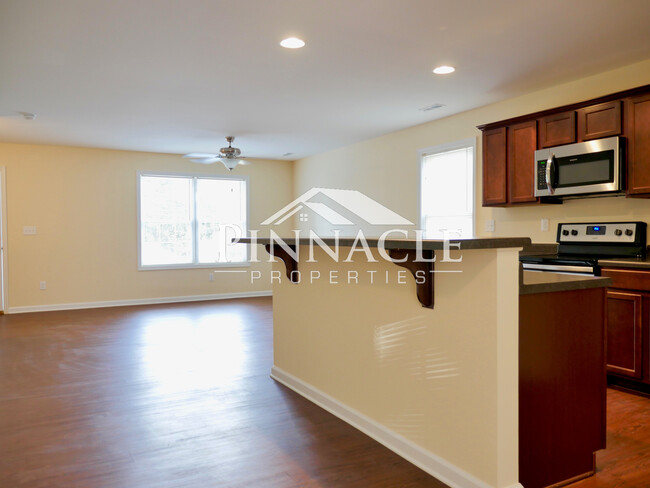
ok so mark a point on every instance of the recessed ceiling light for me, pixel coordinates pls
(444, 70)
(292, 43)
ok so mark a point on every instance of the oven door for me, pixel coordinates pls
(584, 168)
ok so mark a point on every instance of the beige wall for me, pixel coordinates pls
(83, 203)
(387, 168)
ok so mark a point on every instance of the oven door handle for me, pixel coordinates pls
(550, 173)
(559, 268)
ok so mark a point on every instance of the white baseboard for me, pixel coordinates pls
(436, 466)
(137, 301)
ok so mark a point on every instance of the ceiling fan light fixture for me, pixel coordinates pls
(228, 156)
(292, 43)
(230, 163)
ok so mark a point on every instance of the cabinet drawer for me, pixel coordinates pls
(628, 279)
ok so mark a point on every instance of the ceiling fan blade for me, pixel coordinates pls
(199, 155)
(205, 160)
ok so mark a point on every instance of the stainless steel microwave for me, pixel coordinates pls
(586, 168)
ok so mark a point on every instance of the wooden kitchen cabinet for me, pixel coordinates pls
(494, 167)
(508, 171)
(628, 314)
(598, 121)
(562, 385)
(624, 333)
(557, 129)
(638, 145)
(522, 142)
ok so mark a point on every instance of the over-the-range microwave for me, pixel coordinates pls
(585, 169)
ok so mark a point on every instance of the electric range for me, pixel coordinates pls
(581, 245)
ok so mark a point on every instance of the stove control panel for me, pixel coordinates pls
(602, 233)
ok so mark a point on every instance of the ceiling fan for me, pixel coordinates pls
(229, 156)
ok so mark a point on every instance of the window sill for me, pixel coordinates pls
(153, 267)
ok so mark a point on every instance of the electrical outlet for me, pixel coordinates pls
(211, 277)
(29, 230)
(43, 285)
(544, 225)
(489, 225)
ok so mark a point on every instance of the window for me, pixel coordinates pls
(447, 190)
(186, 221)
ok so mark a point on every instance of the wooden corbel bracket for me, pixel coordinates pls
(423, 279)
(290, 264)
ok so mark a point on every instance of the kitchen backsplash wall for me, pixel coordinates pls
(527, 221)
(387, 168)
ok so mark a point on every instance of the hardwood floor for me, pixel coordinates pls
(180, 396)
(626, 461)
(169, 396)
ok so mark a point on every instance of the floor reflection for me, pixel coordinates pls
(180, 354)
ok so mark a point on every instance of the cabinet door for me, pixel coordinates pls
(624, 333)
(638, 140)
(494, 167)
(522, 142)
(558, 129)
(597, 121)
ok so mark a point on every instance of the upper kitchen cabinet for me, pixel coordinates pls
(598, 121)
(508, 154)
(522, 142)
(494, 167)
(557, 129)
(509, 145)
(637, 131)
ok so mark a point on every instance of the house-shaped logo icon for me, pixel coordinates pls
(351, 202)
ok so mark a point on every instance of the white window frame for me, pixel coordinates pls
(441, 148)
(241, 264)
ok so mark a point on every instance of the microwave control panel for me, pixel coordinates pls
(541, 175)
(602, 233)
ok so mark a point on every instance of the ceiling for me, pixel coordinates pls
(178, 76)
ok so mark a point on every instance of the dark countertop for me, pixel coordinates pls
(536, 249)
(427, 244)
(544, 282)
(625, 263)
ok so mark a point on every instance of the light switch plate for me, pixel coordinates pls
(29, 230)
(489, 225)
(544, 225)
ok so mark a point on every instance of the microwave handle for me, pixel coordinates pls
(550, 173)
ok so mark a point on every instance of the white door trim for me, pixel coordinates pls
(3, 240)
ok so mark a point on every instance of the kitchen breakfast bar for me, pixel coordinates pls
(446, 353)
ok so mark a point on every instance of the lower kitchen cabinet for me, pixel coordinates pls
(562, 385)
(628, 319)
(624, 333)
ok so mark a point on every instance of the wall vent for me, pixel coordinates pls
(432, 107)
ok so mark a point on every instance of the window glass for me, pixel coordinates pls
(447, 192)
(190, 220)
